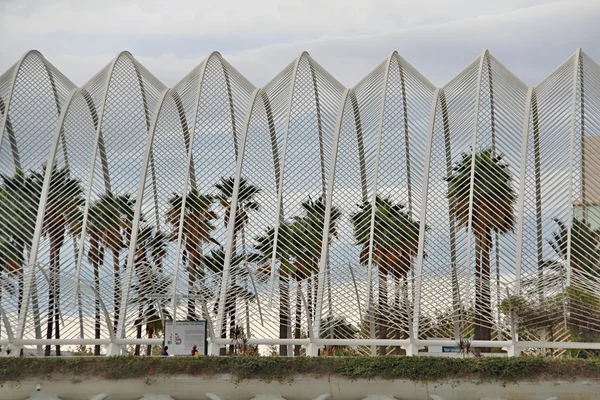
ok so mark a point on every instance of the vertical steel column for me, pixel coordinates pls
(521, 200)
(571, 167)
(328, 205)
(137, 215)
(423, 217)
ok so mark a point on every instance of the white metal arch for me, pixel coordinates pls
(279, 207)
(189, 169)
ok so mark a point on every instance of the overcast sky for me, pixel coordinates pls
(260, 37)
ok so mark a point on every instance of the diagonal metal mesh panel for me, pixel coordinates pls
(392, 215)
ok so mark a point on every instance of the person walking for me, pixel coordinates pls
(195, 351)
(164, 351)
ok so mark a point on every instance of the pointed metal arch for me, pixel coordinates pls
(521, 200)
(29, 278)
(188, 171)
(279, 207)
(386, 76)
(5, 106)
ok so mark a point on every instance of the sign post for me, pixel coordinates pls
(184, 336)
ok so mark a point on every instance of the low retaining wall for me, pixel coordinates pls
(345, 378)
(302, 388)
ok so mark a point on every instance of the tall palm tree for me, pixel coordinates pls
(198, 224)
(493, 201)
(395, 245)
(308, 236)
(246, 201)
(62, 217)
(110, 221)
(150, 253)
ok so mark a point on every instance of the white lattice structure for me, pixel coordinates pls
(375, 219)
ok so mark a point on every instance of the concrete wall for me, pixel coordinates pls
(192, 388)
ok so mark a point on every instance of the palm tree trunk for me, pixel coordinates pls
(150, 335)
(57, 307)
(138, 333)
(97, 307)
(192, 263)
(245, 266)
(284, 315)
(309, 295)
(397, 313)
(117, 289)
(51, 290)
(298, 316)
(232, 303)
(382, 306)
(483, 307)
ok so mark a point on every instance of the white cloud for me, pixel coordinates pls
(440, 38)
(268, 17)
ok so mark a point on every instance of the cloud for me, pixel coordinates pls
(439, 40)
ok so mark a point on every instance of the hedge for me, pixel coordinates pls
(418, 369)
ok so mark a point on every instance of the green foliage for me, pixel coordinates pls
(395, 234)
(584, 242)
(576, 306)
(493, 192)
(418, 369)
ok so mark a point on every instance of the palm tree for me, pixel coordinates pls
(19, 202)
(262, 253)
(150, 253)
(109, 226)
(492, 207)
(245, 202)
(395, 245)
(215, 263)
(197, 227)
(308, 236)
(62, 217)
(585, 256)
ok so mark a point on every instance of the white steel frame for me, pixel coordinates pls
(332, 108)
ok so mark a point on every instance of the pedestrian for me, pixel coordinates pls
(164, 351)
(195, 351)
